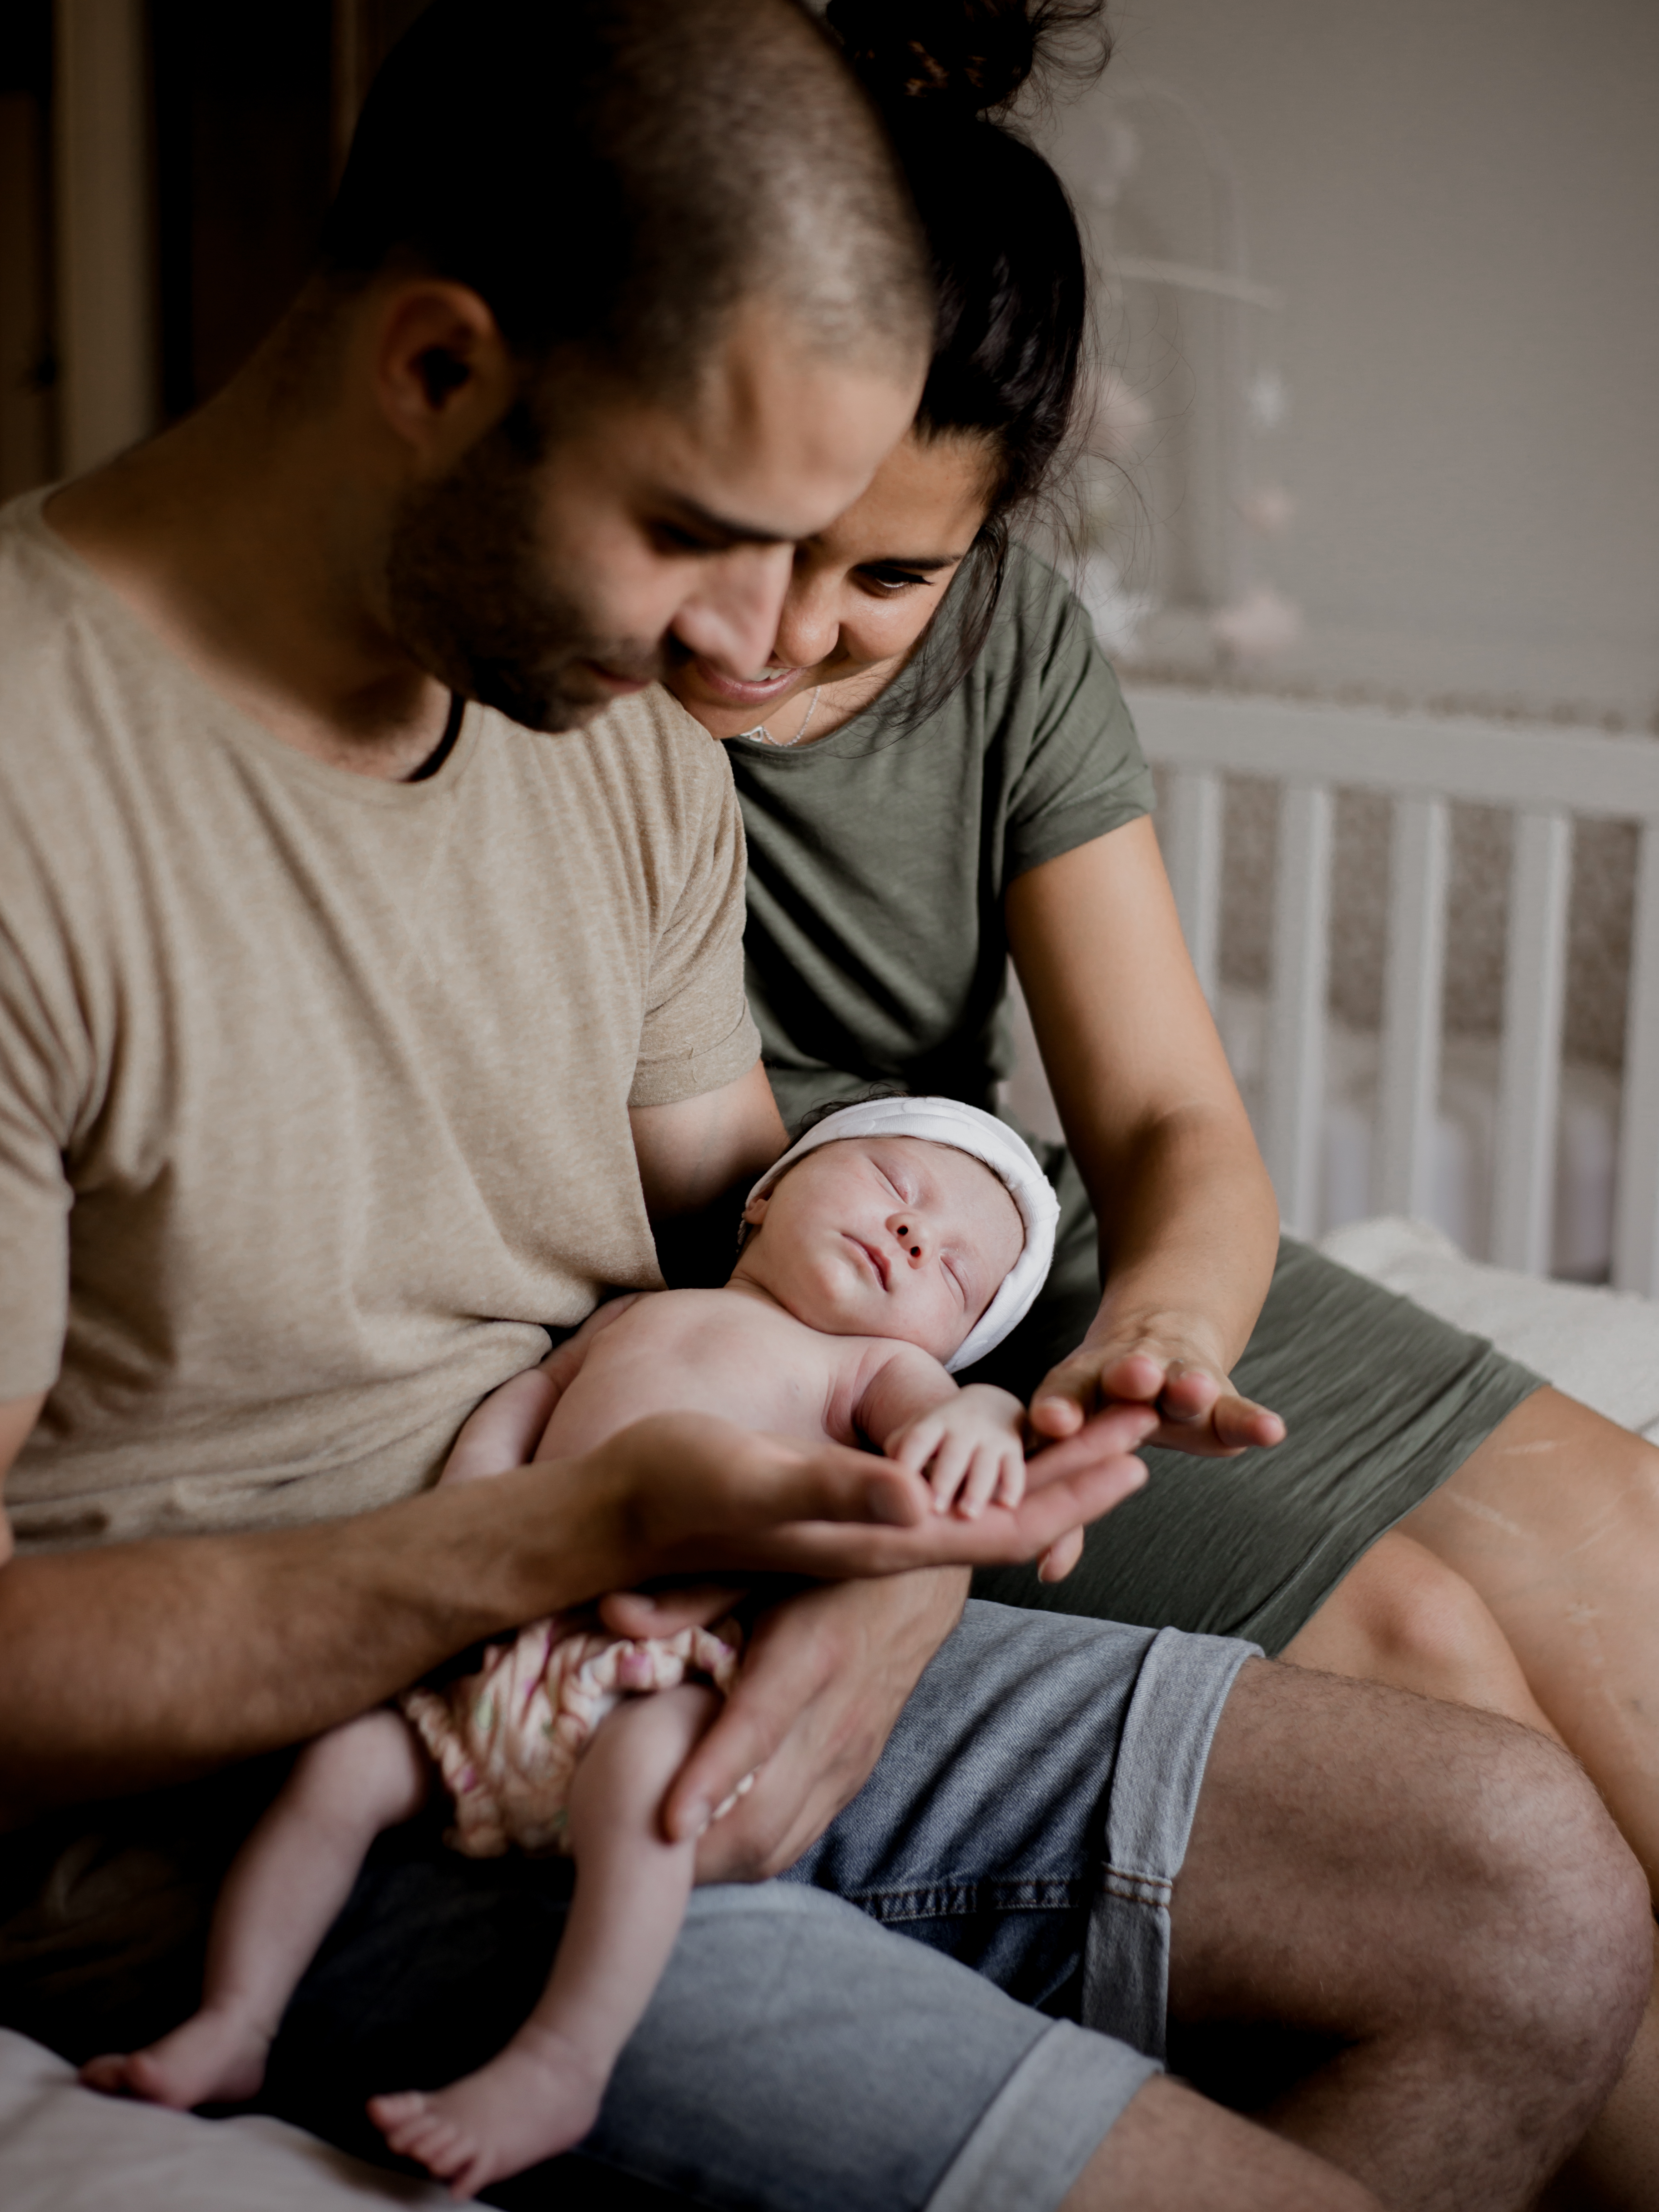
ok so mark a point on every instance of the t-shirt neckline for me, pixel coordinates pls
(234, 722)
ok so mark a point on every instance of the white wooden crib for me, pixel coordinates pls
(1422, 764)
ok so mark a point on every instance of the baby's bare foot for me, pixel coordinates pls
(215, 2058)
(539, 2096)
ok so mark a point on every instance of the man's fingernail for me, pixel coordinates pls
(741, 1791)
(695, 1819)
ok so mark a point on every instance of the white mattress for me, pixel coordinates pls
(64, 2148)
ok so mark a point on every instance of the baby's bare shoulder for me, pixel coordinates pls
(715, 1328)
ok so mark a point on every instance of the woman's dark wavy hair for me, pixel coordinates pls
(1008, 262)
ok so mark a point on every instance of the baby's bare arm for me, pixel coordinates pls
(508, 1428)
(969, 1442)
(907, 1383)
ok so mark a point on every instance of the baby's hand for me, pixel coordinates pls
(970, 1448)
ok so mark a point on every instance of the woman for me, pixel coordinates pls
(937, 772)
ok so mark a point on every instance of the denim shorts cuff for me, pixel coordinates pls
(1043, 2125)
(1183, 1683)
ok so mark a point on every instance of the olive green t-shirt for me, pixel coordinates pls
(879, 855)
(315, 1089)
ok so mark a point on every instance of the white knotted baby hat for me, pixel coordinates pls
(1009, 1158)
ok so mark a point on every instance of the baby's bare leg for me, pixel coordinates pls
(280, 1898)
(542, 2093)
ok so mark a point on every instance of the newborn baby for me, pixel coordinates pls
(899, 1239)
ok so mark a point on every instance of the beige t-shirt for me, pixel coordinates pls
(313, 1088)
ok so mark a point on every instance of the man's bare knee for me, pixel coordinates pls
(1171, 2150)
(1364, 1865)
(1560, 1960)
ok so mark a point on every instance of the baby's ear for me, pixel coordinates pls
(754, 1212)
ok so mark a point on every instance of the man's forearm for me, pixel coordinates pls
(142, 1664)
(146, 1664)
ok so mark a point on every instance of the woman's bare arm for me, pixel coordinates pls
(1188, 1223)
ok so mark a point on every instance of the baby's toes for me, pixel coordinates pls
(471, 2179)
(400, 2117)
(448, 2151)
(111, 2075)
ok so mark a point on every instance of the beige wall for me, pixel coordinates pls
(1459, 201)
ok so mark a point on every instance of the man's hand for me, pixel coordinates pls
(824, 1677)
(1168, 1366)
(689, 1493)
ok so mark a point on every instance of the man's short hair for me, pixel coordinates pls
(614, 176)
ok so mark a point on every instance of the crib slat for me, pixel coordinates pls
(1192, 846)
(1409, 1079)
(1529, 1071)
(1636, 1221)
(1294, 1091)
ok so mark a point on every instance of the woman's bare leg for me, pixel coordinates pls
(280, 1898)
(542, 2093)
(1555, 1523)
(1402, 1617)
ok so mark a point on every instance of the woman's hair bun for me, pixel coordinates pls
(972, 55)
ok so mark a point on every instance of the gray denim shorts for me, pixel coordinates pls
(945, 2004)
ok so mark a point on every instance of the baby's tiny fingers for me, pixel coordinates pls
(917, 1445)
(982, 1472)
(950, 1470)
(1010, 1478)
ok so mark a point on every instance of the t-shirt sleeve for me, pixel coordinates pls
(698, 1034)
(1084, 772)
(35, 1191)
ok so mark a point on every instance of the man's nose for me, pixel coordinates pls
(731, 620)
(808, 628)
(912, 1235)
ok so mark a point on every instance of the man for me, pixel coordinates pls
(350, 1033)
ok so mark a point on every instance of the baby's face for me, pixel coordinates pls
(884, 1237)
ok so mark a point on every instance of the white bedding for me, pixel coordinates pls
(63, 2150)
(1599, 1345)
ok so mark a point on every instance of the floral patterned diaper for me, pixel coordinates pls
(506, 1739)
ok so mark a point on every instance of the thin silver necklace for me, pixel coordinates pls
(761, 730)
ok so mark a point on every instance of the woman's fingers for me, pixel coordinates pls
(1240, 1422)
(1091, 1378)
(1197, 1411)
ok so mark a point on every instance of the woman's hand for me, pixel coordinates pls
(1166, 1366)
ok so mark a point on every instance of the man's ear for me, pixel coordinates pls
(443, 373)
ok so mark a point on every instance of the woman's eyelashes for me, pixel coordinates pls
(889, 582)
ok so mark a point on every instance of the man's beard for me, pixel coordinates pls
(473, 601)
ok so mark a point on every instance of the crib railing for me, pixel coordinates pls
(1544, 777)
